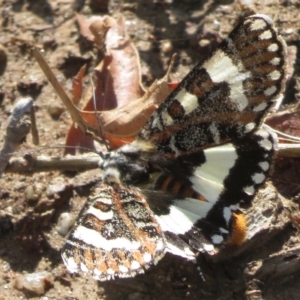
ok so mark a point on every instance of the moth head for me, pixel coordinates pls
(124, 166)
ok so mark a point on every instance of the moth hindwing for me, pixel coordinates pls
(202, 155)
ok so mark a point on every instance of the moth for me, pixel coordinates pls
(202, 155)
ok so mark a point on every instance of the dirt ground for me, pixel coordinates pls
(29, 241)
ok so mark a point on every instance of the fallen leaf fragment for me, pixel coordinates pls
(287, 121)
(122, 104)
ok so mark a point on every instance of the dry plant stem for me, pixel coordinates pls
(30, 164)
(289, 150)
(58, 89)
(17, 128)
(34, 130)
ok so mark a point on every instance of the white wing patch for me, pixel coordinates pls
(208, 178)
(222, 69)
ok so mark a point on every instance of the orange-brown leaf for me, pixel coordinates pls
(123, 107)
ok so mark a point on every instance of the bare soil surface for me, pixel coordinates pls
(29, 241)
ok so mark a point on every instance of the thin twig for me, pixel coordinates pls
(72, 109)
(58, 88)
(30, 164)
(289, 150)
(34, 130)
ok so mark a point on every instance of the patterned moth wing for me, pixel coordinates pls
(227, 96)
(223, 179)
(202, 155)
(116, 235)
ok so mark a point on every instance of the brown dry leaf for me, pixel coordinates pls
(84, 26)
(126, 122)
(123, 105)
(77, 85)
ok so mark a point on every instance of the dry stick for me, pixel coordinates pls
(34, 130)
(289, 150)
(31, 164)
(72, 109)
(17, 128)
(59, 89)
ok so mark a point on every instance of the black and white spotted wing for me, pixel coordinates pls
(227, 96)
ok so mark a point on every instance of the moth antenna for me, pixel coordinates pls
(54, 147)
(283, 135)
(97, 116)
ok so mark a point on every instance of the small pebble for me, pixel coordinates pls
(55, 110)
(34, 192)
(57, 185)
(64, 224)
(204, 43)
(34, 282)
(166, 46)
